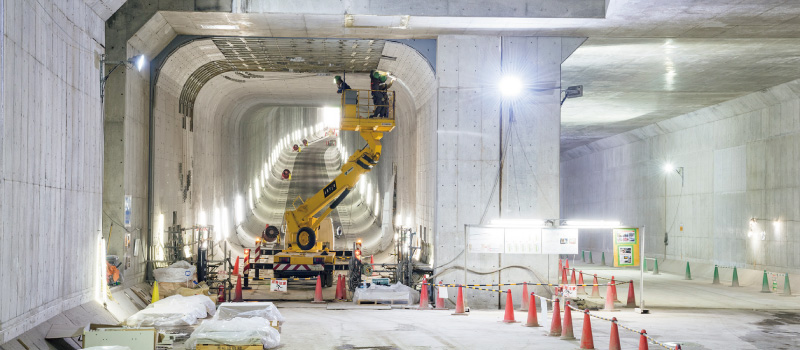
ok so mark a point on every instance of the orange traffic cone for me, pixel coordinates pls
(566, 264)
(339, 285)
(581, 288)
(533, 319)
(509, 316)
(609, 298)
(439, 301)
(423, 297)
(643, 340)
(572, 280)
(318, 292)
(587, 341)
(460, 303)
(564, 276)
(631, 296)
(614, 289)
(525, 302)
(236, 266)
(613, 343)
(237, 296)
(555, 326)
(372, 265)
(595, 288)
(560, 266)
(567, 333)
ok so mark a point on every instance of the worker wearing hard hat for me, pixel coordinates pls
(341, 84)
(379, 82)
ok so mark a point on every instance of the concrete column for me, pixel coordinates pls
(474, 124)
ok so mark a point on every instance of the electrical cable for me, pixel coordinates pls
(499, 172)
(677, 207)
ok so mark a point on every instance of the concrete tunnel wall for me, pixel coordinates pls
(51, 163)
(739, 160)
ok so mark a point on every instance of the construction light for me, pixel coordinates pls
(668, 167)
(140, 60)
(202, 220)
(510, 86)
(239, 207)
(331, 115)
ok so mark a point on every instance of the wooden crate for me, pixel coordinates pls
(228, 347)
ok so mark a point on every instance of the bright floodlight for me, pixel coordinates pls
(668, 167)
(331, 116)
(510, 86)
(140, 63)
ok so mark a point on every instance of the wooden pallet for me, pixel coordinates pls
(382, 302)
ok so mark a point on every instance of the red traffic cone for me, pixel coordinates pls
(509, 316)
(525, 301)
(566, 329)
(423, 297)
(533, 319)
(678, 347)
(372, 265)
(614, 289)
(595, 288)
(631, 296)
(572, 280)
(439, 301)
(581, 288)
(564, 276)
(566, 264)
(555, 326)
(340, 288)
(643, 340)
(587, 340)
(609, 298)
(236, 266)
(460, 303)
(613, 343)
(318, 292)
(237, 295)
(560, 266)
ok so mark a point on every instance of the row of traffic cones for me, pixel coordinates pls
(787, 288)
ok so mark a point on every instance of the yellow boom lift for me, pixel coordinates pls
(308, 249)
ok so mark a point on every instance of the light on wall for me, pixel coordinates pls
(239, 207)
(668, 168)
(510, 86)
(518, 222)
(592, 223)
(202, 220)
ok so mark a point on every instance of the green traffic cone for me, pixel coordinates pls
(655, 269)
(603, 259)
(765, 283)
(688, 272)
(590, 257)
(716, 275)
(735, 281)
(644, 264)
(787, 289)
(583, 255)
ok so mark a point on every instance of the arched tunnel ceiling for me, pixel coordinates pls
(718, 49)
(242, 56)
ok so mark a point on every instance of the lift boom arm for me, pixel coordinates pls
(301, 225)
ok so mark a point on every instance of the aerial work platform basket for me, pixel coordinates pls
(360, 112)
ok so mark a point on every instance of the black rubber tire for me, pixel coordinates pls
(271, 234)
(312, 238)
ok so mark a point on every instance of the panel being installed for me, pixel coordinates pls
(295, 55)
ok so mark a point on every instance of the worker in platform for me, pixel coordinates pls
(379, 82)
(286, 174)
(340, 84)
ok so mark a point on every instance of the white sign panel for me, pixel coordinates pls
(485, 239)
(569, 291)
(279, 285)
(443, 292)
(560, 241)
(523, 241)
